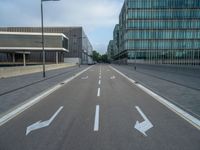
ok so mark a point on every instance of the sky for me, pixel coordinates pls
(97, 17)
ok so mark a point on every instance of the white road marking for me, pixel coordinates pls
(12, 114)
(99, 82)
(192, 120)
(144, 126)
(113, 77)
(98, 92)
(39, 124)
(183, 114)
(96, 120)
(99, 77)
(84, 78)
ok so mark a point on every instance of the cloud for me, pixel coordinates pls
(91, 14)
(101, 47)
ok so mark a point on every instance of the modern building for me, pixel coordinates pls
(80, 48)
(26, 47)
(110, 51)
(159, 32)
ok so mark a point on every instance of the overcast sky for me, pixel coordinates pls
(98, 17)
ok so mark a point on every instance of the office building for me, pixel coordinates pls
(80, 48)
(110, 50)
(26, 47)
(159, 32)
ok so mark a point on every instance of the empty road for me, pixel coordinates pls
(99, 110)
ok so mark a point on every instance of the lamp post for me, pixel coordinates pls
(42, 24)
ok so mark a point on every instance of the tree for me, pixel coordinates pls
(99, 58)
(96, 56)
(104, 58)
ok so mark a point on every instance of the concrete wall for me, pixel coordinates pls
(72, 60)
(6, 72)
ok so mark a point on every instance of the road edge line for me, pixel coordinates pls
(183, 114)
(32, 101)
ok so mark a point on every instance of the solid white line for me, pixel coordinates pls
(96, 120)
(98, 93)
(99, 82)
(183, 114)
(192, 120)
(131, 80)
(21, 108)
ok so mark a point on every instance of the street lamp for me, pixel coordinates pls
(43, 51)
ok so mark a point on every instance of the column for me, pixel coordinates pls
(56, 57)
(24, 58)
(13, 57)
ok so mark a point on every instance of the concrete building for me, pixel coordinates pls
(26, 47)
(80, 48)
(159, 32)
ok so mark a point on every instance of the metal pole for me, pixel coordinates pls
(24, 59)
(135, 61)
(43, 51)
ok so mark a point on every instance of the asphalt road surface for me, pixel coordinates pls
(98, 110)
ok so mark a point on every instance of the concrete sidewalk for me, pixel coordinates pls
(6, 72)
(180, 85)
(16, 90)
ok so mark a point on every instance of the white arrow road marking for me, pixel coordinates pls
(39, 124)
(113, 77)
(144, 126)
(96, 120)
(84, 78)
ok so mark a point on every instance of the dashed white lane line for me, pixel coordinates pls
(99, 77)
(112, 78)
(84, 78)
(96, 120)
(99, 82)
(98, 92)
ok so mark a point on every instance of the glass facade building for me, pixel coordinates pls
(159, 32)
(110, 50)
